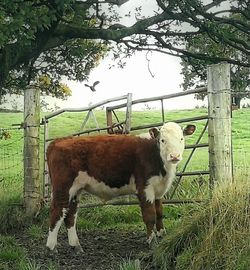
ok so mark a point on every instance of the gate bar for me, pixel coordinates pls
(197, 118)
(188, 160)
(175, 201)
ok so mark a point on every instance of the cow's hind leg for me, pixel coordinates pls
(57, 215)
(70, 222)
(159, 218)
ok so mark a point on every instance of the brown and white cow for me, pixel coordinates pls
(109, 166)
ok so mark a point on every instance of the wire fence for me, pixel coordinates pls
(241, 143)
(241, 158)
(11, 157)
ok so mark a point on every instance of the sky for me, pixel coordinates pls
(135, 78)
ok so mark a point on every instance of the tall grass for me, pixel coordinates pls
(215, 236)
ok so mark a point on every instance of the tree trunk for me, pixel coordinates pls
(32, 187)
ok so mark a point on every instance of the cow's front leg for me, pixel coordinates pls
(159, 218)
(149, 216)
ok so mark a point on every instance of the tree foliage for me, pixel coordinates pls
(194, 70)
(26, 26)
(60, 38)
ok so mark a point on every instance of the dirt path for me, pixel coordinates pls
(103, 250)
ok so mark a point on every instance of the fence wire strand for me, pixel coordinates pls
(11, 155)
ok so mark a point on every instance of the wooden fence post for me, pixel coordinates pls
(32, 186)
(127, 126)
(46, 178)
(219, 125)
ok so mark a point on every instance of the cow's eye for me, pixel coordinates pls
(162, 140)
(181, 139)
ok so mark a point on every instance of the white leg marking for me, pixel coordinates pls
(72, 235)
(73, 238)
(161, 232)
(52, 238)
(151, 238)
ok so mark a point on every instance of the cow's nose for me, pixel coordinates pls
(175, 157)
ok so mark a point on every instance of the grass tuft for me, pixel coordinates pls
(29, 265)
(35, 231)
(130, 265)
(216, 236)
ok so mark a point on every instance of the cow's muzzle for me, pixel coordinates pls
(174, 158)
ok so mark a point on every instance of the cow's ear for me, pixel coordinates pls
(189, 130)
(154, 132)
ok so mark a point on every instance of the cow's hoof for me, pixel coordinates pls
(77, 249)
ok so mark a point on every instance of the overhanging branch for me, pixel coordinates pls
(174, 51)
(164, 27)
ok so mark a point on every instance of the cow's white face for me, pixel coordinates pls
(171, 141)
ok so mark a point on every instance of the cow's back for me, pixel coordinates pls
(110, 159)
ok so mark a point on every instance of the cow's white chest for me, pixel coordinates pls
(85, 182)
(158, 185)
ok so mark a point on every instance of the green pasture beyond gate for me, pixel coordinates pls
(11, 172)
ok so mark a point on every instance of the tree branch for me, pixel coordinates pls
(113, 2)
(175, 13)
(174, 51)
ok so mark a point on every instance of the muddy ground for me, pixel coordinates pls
(103, 250)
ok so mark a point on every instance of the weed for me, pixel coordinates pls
(35, 231)
(130, 265)
(29, 265)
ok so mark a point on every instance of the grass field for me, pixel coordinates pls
(69, 123)
(11, 180)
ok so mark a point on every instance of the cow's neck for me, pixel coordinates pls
(170, 173)
(170, 169)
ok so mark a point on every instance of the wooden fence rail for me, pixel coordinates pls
(163, 97)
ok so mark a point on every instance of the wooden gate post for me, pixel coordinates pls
(127, 126)
(32, 187)
(219, 125)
